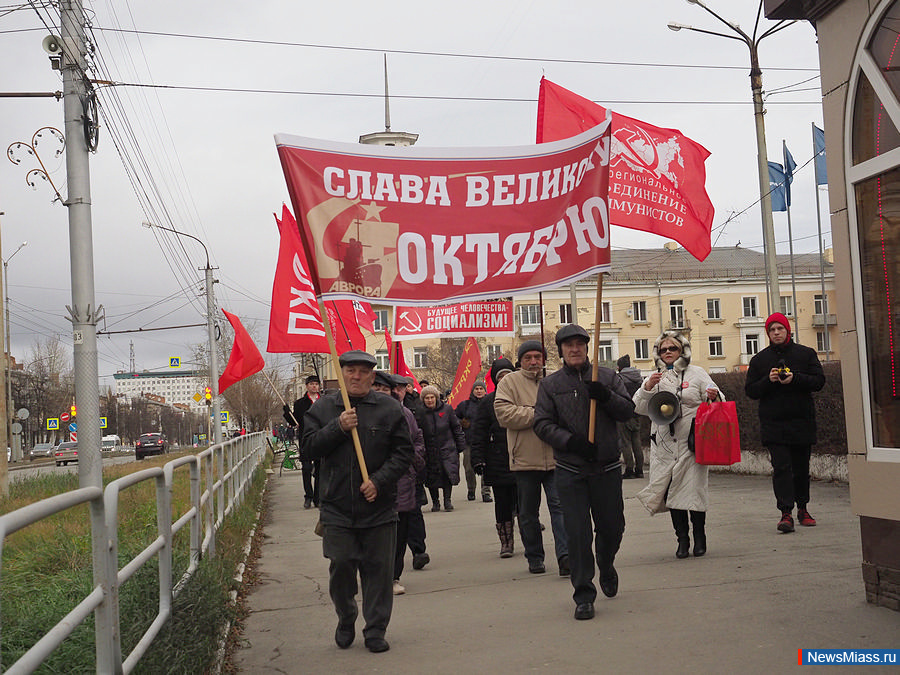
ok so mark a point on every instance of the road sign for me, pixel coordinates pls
(102, 422)
(174, 362)
(64, 417)
(223, 416)
(73, 426)
(73, 436)
(52, 424)
(197, 398)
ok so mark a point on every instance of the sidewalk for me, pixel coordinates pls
(747, 606)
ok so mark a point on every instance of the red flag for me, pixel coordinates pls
(245, 357)
(344, 328)
(295, 322)
(466, 373)
(398, 361)
(365, 316)
(657, 177)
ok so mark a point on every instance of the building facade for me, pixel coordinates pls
(175, 388)
(858, 59)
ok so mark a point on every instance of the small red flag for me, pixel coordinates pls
(245, 358)
(344, 327)
(398, 361)
(657, 177)
(466, 373)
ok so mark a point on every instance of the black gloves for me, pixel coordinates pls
(579, 445)
(599, 391)
(478, 468)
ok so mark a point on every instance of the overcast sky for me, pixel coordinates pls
(213, 172)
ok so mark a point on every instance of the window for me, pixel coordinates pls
(639, 311)
(821, 307)
(715, 345)
(749, 303)
(381, 319)
(605, 353)
(786, 306)
(420, 357)
(565, 314)
(382, 362)
(712, 309)
(821, 341)
(751, 343)
(641, 349)
(676, 313)
(529, 315)
(605, 312)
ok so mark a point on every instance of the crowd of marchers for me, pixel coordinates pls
(571, 437)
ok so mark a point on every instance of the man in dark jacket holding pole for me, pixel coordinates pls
(358, 516)
(782, 378)
(588, 474)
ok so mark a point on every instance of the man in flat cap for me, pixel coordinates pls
(359, 519)
(310, 469)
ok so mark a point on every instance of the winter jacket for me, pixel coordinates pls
(489, 445)
(676, 480)
(387, 450)
(787, 413)
(466, 412)
(444, 441)
(406, 486)
(301, 406)
(514, 407)
(563, 410)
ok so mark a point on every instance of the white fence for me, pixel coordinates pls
(219, 479)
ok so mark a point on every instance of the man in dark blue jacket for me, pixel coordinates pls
(782, 377)
(588, 474)
(359, 519)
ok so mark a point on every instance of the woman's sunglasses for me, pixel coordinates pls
(663, 350)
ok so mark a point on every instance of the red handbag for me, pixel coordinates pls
(717, 439)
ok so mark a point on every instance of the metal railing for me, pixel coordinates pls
(219, 479)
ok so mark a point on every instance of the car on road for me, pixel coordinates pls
(42, 450)
(66, 452)
(150, 444)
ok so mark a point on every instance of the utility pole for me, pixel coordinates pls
(4, 435)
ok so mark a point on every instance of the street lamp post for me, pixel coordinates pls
(773, 296)
(16, 443)
(211, 330)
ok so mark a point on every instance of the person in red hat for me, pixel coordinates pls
(783, 377)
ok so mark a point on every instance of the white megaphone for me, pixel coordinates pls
(52, 45)
(663, 408)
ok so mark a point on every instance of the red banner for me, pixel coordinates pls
(657, 177)
(418, 226)
(466, 373)
(462, 319)
(245, 359)
(398, 361)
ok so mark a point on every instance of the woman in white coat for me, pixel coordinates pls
(677, 482)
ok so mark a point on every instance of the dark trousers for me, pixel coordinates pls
(790, 475)
(311, 480)
(402, 540)
(630, 444)
(504, 502)
(369, 552)
(528, 490)
(415, 537)
(586, 497)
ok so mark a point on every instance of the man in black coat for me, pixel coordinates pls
(310, 468)
(358, 517)
(782, 378)
(588, 474)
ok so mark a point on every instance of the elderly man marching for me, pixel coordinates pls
(588, 474)
(359, 519)
(530, 458)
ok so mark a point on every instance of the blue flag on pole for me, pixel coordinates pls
(789, 166)
(776, 187)
(819, 151)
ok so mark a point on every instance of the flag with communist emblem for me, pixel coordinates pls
(422, 226)
(466, 373)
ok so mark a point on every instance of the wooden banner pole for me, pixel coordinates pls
(598, 315)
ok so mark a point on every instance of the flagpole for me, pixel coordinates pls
(280, 397)
(787, 206)
(825, 329)
(595, 368)
(336, 364)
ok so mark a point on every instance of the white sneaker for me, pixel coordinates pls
(398, 589)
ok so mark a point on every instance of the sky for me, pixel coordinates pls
(461, 74)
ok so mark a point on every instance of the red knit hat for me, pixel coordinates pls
(778, 317)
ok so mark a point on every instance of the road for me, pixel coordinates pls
(25, 470)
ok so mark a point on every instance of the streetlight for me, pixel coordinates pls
(16, 447)
(211, 330)
(773, 297)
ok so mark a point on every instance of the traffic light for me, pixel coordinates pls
(208, 394)
(74, 410)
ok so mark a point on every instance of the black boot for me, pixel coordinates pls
(698, 523)
(680, 521)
